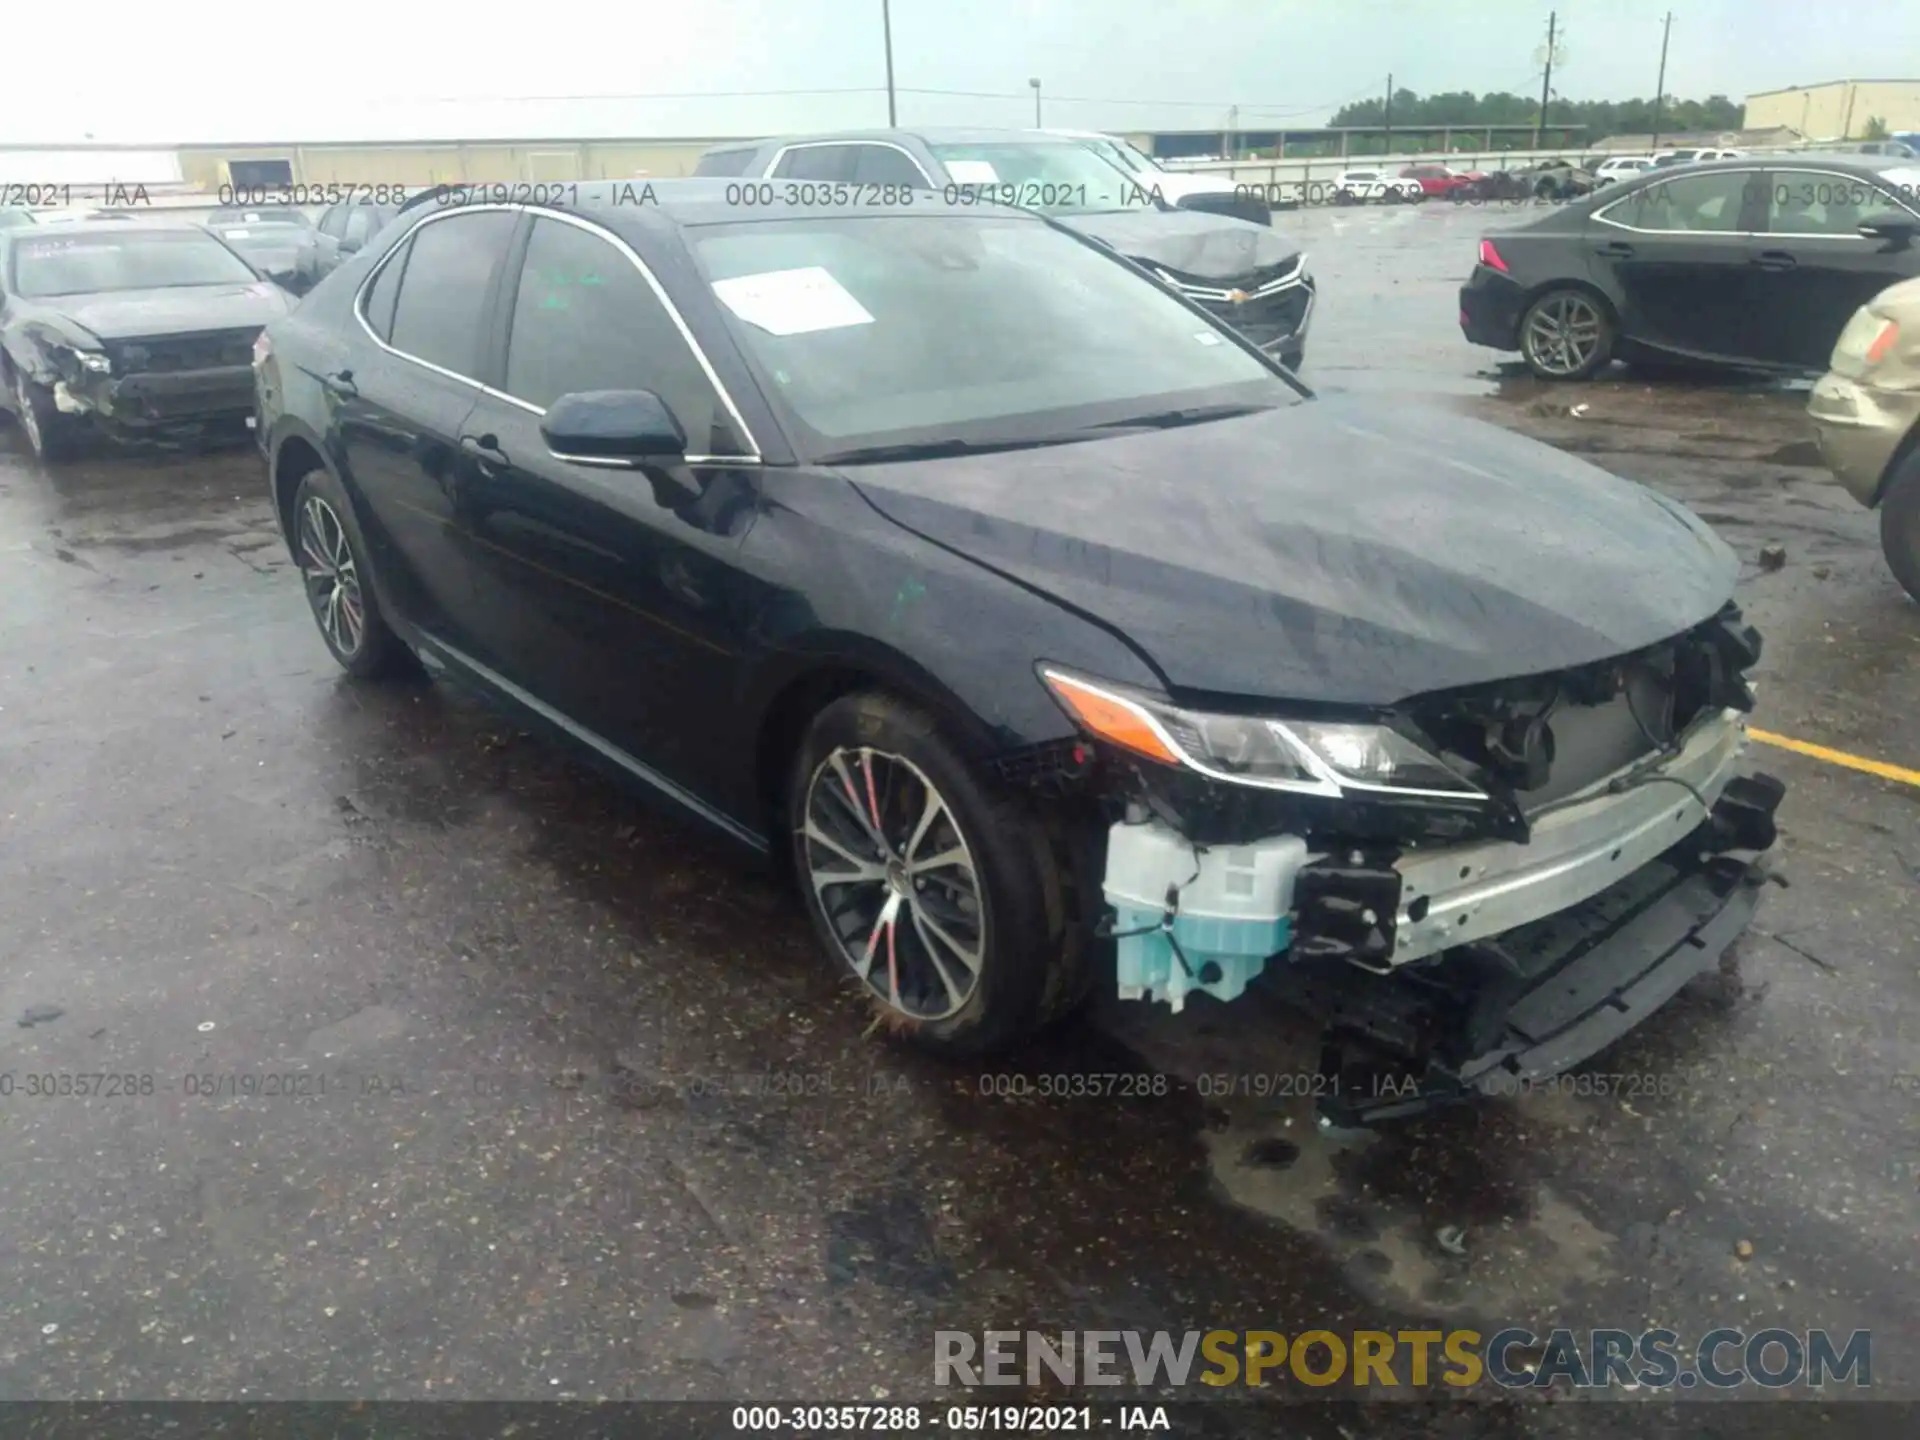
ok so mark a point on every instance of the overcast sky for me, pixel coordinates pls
(236, 70)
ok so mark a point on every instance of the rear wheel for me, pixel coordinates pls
(50, 435)
(339, 585)
(1900, 523)
(1566, 334)
(943, 900)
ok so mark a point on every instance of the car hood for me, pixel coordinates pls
(1177, 186)
(129, 314)
(1328, 552)
(1199, 245)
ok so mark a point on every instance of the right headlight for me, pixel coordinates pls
(1309, 757)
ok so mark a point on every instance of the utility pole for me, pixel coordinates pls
(1036, 102)
(1660, 85)
(1546, 82)
(1387, 116)
(886, 28)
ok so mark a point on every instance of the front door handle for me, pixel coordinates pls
(1615, 250)
(485, 453)
(1775, 260)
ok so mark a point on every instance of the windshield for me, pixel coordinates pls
(135, 260)
(1062, 177)
(987, 329)
(278, 215)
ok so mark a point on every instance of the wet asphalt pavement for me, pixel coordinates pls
(597, 1122)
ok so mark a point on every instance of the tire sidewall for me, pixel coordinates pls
(1602, 354)
(376, 639)
(1900, 523)
(1005, 849)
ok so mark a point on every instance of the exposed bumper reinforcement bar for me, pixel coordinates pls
(1552, 995)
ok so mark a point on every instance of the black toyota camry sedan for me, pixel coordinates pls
(1051, 633)
(1753, 264)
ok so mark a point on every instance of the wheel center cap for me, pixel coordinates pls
(897, 877)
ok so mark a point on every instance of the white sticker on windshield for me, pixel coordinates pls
(1206, 337)
(234, 234)
(971, 172)
(792, 302)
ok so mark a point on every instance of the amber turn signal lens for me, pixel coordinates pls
(1110, 717)
(1883, 343)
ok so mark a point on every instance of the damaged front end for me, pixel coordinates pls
(1471, 889)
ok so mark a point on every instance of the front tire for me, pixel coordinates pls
(339, 584)
(50, 435)
(941, 898)
(1566, 334)
(1900, 523)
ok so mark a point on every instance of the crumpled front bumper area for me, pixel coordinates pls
(162, 398)
(1493, 1020)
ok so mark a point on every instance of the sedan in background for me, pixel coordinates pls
(1361, 187)
(1441, 182)
(1186, 190)
(1014, 602)
(345, 228)
(127, 326)
(1866, 414)
(277, 240)
(1756, 264)
(1250, 275)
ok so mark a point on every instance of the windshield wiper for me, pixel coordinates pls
(937, 449)
(1171, 419)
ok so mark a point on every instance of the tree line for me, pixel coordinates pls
(1601, 118)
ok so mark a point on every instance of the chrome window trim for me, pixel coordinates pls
(782, 152)
(754, 455)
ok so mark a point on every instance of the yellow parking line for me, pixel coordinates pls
(1838, 757)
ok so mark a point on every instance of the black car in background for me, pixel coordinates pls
(1004, 594)
(130, 326)
(1755, 263)
(345, 228)
(1243, 271)
(278, 240)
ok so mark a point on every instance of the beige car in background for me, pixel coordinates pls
(1866, 413)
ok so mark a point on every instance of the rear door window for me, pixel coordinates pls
(817, 162)
(724, 162)
(1714, 203)
(884, 165)
(441, 308)
(586, 318)
(378, 307)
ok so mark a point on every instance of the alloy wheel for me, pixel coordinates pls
(896, 881)
(332, 578)
(1563, 334)
(29, 419)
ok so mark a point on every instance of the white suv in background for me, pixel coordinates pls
(1619, 167)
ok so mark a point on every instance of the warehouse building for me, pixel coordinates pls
(1838, 109)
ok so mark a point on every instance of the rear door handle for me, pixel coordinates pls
(1614, 250)
(1775, 260)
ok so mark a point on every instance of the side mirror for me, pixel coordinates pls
(1895, 227)
(613, 425)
